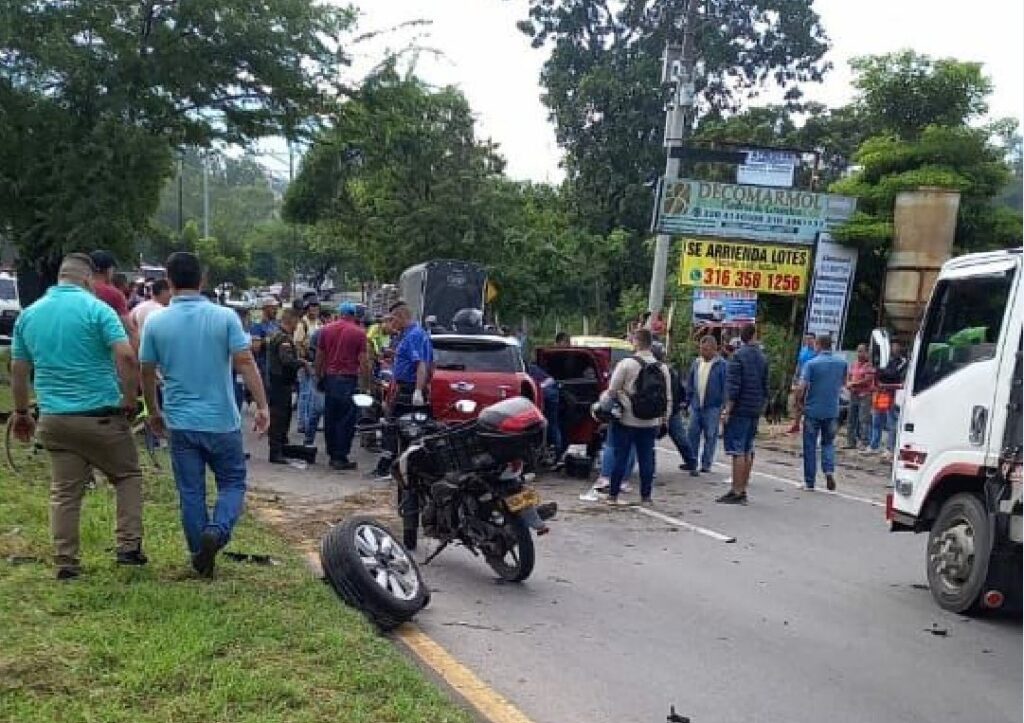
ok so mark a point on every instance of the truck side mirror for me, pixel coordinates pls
(879, 350)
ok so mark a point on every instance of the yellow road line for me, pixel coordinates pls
(489, 703)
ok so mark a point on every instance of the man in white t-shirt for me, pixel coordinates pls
(161, 298)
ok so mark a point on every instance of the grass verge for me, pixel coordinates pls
(157, 644)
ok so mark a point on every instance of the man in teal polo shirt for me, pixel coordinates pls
(196, 344)
(85, 382)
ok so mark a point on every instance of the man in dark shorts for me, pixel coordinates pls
(746, 393)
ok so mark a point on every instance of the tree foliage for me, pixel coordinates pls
(602, 85)
(93, 95)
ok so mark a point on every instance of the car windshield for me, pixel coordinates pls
(476, 356)
(8, 290)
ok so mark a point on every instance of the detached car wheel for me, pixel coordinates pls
(959, 548)
(372, 571)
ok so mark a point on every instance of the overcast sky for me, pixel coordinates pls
(494, 65)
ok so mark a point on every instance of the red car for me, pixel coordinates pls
(582, 374)
(483, 368)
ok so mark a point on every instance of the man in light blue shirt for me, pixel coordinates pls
(821, 381)
(195, 343)
(86, 383)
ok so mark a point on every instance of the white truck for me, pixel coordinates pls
(957, 466)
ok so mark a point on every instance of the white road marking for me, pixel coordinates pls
(794, 483)
(685, 525)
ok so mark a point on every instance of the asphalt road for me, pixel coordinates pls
(814, 613)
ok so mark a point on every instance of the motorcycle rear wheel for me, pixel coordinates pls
(518, 561)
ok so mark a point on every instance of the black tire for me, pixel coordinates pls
(522, 553)
(344, 561)
(959, 548)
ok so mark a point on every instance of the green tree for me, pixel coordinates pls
(923, 114)
(94, 95)
(602, 83)
(399, 177)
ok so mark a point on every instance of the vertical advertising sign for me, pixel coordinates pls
(831, 285)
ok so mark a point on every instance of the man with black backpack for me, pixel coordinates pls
(643, 386)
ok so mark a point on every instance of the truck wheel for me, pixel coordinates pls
(959, 547)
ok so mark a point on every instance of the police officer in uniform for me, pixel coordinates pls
(283, 364)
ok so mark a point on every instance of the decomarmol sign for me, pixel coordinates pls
(756, 213)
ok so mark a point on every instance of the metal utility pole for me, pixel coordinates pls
(678, 121)
(206, 200)
(295, 242)
(181, 193)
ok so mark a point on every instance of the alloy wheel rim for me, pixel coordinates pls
(386, 562)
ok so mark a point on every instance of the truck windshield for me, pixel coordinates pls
(474, 356)
(962, 327)
(8, 290)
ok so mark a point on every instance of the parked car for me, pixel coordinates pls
(582, 371)
(480, 367)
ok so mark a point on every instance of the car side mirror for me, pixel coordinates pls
(880, 348)
(465, 406)
(362, 401)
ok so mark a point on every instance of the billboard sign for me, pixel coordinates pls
(729, 308)
(744, 266)
(729, 210)
(827, 304)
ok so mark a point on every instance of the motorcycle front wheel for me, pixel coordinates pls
(517, 563)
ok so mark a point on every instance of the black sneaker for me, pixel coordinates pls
(203, 561)
(68, 573)
(830, 482)
(694, 472)
(343, 465)
(277, 459)
(732, 498)
(136, 558)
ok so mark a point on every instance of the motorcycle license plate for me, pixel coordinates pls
(521, 500)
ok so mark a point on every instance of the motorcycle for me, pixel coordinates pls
(465, 483)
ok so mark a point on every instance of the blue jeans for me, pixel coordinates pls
(878, 422)
(340, 416)
(307, 385)
(640, 439)
(191, 454)
(316, 413)
(894, 423)
(826, 429)
(551, 413)
(705, 422)
(677, 433)
(608, 457)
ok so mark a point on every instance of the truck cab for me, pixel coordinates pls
(956, 470)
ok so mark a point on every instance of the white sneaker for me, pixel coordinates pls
(626, 487)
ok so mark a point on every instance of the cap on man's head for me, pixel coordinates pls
(103, 260)
(347, 308)
(268, 301)
(310, 303)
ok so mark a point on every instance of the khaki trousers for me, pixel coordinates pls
(75, 444)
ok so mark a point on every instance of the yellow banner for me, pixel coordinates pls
(742, 265)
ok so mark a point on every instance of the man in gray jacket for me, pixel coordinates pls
(643, 386)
